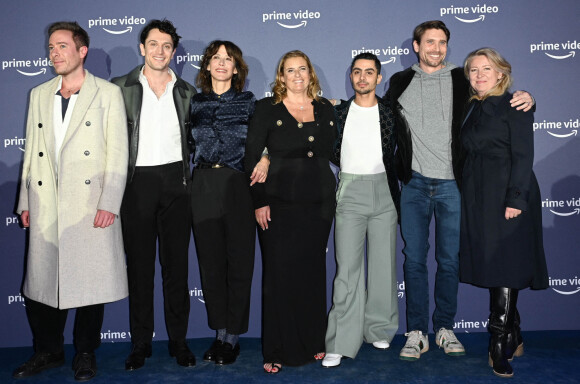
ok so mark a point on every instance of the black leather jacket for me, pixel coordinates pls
(133, 96)
(404, 155)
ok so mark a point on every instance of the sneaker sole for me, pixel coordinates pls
(451, 353)
(413, 358)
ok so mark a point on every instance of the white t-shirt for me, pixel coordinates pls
(361, 152)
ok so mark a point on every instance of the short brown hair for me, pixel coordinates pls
(432, 24)
(203, 79)
(80, 36)
(279, 88)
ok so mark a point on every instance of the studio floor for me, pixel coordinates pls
(550, 357)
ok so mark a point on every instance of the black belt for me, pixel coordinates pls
(209, 166)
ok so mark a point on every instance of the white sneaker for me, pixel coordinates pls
(416, 344)
(381, 344)
(446, 338)
(331, 360)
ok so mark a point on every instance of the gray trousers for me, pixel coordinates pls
(365, 212)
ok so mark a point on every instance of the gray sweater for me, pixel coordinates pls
(427, 107)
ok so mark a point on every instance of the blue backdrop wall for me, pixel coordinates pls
(538, 37)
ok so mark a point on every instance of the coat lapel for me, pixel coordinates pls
(46, 118)
(86, 95)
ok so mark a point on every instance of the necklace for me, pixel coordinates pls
(301, 108)
(68, 92)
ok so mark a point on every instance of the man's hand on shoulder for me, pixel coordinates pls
(522, 100)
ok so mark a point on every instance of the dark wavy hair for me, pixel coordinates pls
(164, 26)
(80, 36)
(279, 88)
(432, 24)
(203, 79)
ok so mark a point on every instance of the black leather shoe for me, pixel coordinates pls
(136, 358)
(213, 351)
(38, 363)
(85, 366)
(228, 354)
(182, 354)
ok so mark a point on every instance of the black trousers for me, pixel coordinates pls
(47, 325)
(156, 209)
(224, 228)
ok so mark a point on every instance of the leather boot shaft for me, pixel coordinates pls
(501, 323)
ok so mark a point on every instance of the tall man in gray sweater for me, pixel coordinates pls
(429, 101)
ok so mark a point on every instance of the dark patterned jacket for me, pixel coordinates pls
(388, 143)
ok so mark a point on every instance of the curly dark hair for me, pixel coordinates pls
(164, 26)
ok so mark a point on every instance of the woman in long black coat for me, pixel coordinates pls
(501, 222)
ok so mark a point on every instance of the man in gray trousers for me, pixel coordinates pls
(367, 210)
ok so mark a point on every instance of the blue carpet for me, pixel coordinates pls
(550, 357)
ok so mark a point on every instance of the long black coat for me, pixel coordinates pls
(495, 252)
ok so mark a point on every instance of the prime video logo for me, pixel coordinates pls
(24, 67)
(197, 293)
(471, 14)
(189, 58)
(117, 26)
(291, 20)
(389, 51)
(569, 46)
(563, 207)
(572, 285)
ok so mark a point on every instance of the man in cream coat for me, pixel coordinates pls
(73, 178)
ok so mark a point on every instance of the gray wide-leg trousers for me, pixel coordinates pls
(363, 310)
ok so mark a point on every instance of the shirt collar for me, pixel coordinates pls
(143, 79)
(227, 95)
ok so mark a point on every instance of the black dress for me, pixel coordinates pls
(300, 192)
(499, 147)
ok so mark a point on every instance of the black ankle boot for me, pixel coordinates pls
(515, 342)
(501, 323)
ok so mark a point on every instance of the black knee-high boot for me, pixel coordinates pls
(515, 342)
(501, 322)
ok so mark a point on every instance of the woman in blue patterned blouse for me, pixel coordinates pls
(223, 215)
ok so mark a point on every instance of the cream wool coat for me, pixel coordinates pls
(71, 264)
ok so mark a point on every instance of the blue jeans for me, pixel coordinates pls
(420, 199)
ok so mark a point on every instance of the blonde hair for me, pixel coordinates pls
(279, 88)
(499, 64)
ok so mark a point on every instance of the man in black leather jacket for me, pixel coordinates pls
(156, 202)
